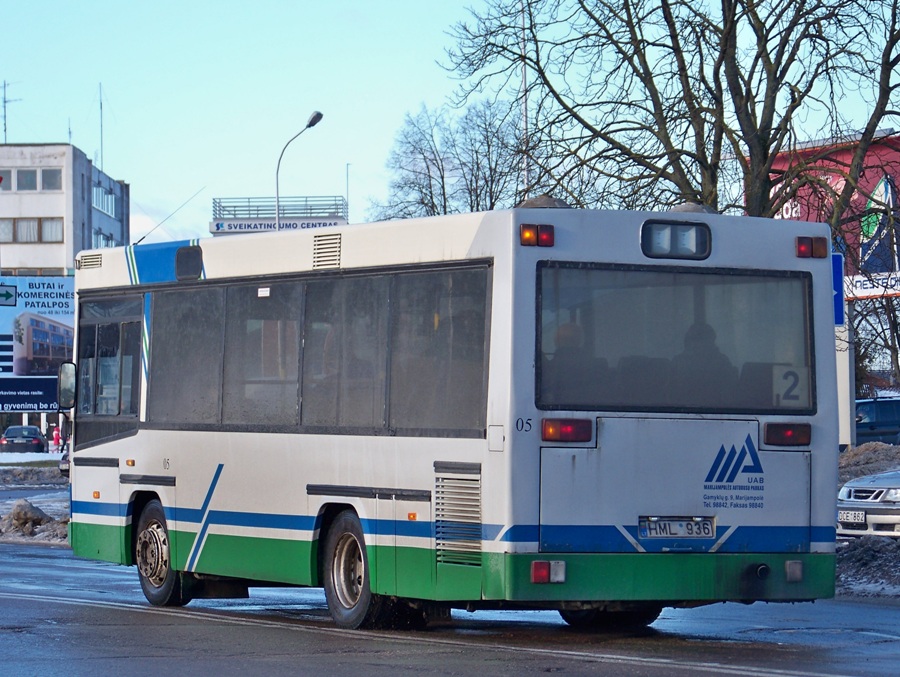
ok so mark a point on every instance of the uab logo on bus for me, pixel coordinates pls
(729, 464)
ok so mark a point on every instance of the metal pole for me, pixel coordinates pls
(313, 121)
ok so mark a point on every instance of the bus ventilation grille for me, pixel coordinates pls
(457, 520)
(89, 261)
(327, 251)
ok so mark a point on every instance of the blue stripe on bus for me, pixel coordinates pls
(261, 520)
(823, 534)
(608, 538)
(154, 262)
(377, 527)
(204, 517)
(104, 509)
(562, 538)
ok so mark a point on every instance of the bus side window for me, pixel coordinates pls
(344, 355)
(437, 351)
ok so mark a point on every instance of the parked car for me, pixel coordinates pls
(870, 506)
(24, 438)
(878, 420)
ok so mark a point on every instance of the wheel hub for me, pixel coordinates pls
(153, 554)
(348, 571)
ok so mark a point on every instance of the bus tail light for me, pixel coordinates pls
(788, 434)
(566, 430)
(544, 571)
(532, 235)
(812, 247)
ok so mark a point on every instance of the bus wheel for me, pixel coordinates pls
(599, 619)
(347, 589)
(161, 584)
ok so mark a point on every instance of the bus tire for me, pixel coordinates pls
(601, 619)
(347, 587)
(162, 585)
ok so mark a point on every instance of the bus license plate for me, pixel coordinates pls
(851, 516)
(676, 527)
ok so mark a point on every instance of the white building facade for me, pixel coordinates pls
(53, 203)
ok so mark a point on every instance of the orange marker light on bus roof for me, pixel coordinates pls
(540, 235)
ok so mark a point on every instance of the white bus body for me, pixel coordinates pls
(387, 410)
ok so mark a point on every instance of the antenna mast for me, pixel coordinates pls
(6, 101)
(101, 126)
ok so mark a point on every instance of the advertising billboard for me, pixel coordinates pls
(37, 316)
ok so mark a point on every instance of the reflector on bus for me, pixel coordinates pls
(675, 240)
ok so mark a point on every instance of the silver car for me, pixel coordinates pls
(870, 506)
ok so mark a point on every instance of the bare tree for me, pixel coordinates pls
(666, 101)
(484, 145)
(419, 166)
(442, 164)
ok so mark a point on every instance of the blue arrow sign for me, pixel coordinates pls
(837, 286)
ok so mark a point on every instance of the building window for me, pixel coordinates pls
(51, 179)
(52, 230)
(5, 179)
(26, 179)
(101, 240)
(25, 231)
(104, 200)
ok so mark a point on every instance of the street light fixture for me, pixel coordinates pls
(314, 119)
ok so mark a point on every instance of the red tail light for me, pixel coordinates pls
(812, 247)
(788, 434)
(566, 430)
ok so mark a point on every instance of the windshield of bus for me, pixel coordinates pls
(626, 338)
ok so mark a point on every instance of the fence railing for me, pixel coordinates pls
(264, 207)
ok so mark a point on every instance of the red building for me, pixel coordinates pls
(869, 228)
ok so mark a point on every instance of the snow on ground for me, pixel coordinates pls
(868, 566)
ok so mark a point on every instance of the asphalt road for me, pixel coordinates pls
(64, 616)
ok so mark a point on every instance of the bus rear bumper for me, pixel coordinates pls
(674, 579)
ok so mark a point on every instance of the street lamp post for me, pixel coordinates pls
(314, 119)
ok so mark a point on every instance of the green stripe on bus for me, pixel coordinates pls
(102, 542)
(415, 573)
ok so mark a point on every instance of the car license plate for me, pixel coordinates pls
(676, 527)
(851, 516)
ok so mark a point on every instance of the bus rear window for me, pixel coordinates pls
(673, 339)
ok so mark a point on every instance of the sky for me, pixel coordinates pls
(200, 97)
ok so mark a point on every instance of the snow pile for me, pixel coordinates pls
(869, 567)
(868, 459)
(44, 516)
(27, 521)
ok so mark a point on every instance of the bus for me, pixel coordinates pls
(600, 413)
